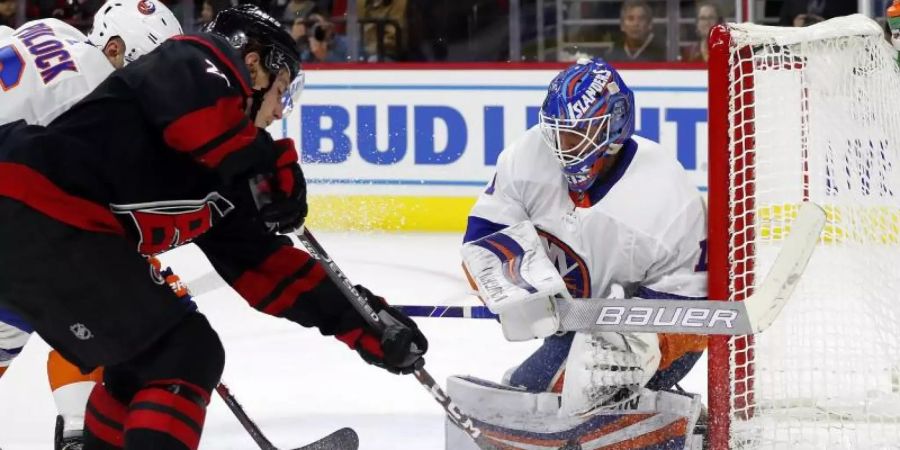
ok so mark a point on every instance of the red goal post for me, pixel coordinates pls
(796, 115)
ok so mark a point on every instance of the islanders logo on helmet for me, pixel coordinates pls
(146, 7)
(588, 113)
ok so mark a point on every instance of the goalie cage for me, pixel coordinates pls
(806, 114)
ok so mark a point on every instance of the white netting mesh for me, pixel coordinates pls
(814, 114)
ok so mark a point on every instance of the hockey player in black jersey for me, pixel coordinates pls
(164, 152)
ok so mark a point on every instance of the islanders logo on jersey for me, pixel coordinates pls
(571, 266)
(146, 7)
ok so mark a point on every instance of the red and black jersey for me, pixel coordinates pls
(161, 152)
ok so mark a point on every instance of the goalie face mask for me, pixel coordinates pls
(588, 114)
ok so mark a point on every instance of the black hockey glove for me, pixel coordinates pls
(399, 349)
(281, 196)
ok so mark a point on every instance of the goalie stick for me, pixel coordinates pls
(752, 315)
(359, 302)
(343, 439)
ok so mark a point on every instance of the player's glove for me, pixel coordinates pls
(399, 349)
(281, 196)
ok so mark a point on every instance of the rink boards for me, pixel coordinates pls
(411, 149)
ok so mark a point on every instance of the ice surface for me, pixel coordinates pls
(299, 385)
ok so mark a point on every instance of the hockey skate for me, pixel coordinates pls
(62, 442)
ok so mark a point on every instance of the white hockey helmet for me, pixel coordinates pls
(141, 24)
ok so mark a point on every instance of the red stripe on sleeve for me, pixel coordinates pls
(297, 288)
(163, 423)
(22, 183)
(240, 140)
(193, 131)
(103, 431)
(255, 284)
(236, 74)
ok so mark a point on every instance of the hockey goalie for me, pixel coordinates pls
(579, 207)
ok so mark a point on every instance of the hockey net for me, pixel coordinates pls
(807, 114)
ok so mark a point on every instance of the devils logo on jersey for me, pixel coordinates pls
(164, 225)
(572, 268)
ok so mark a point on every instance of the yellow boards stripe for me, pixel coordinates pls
(388, 213)
(869, 224)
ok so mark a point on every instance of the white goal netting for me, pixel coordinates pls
(814, 113)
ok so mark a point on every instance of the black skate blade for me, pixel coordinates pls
(343, 439)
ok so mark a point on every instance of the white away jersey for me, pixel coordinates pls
(46, 66)
(645, 230)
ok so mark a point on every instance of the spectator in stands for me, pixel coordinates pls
(805, 20)
(725, 7)
(296, 8)
(317, 40)
(637, 42)
(8, 13)
(386, 15)
(798, 12)
(708, 15)
(40, 9)
(298, 32)
(207, 14)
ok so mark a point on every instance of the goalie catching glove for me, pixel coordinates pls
(280, 196)
(399, 348)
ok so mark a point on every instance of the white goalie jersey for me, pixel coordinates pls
(643, 226)
(46, 66)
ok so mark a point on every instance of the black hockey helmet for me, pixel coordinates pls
(245, 24)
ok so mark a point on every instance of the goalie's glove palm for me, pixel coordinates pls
(399, 348)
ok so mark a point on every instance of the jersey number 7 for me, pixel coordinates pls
(11, 67)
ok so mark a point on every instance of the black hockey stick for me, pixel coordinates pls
(343, 439)
(375, 321)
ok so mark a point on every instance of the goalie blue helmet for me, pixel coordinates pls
(588, 114)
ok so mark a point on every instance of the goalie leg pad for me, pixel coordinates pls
(515, 419)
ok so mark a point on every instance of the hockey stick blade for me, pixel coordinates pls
(343, 439)
(766, 303)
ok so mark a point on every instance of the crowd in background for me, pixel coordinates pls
(478, 30)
